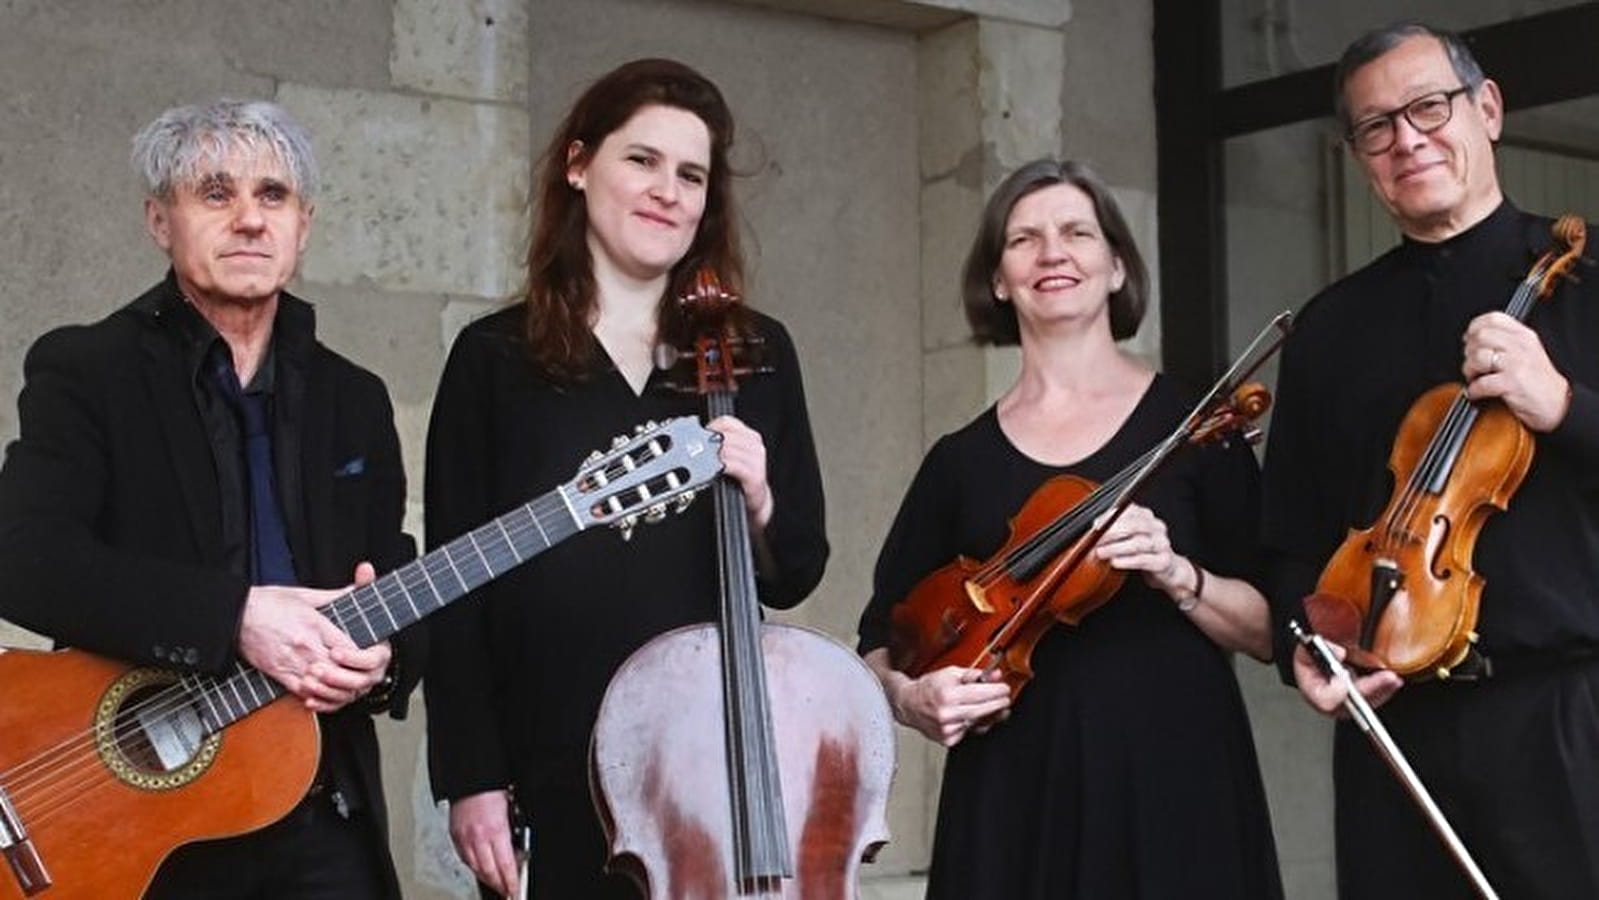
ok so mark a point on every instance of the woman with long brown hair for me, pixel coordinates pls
(632, 199)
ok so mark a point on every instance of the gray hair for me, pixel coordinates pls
(174, 149)
(1378, 41)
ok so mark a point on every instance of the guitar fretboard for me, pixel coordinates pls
(373, 612)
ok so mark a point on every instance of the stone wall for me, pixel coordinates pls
(869, 134)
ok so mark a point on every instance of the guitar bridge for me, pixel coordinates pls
(26, 866)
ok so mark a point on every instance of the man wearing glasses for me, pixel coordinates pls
(1510, 744)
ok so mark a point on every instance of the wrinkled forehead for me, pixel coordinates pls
(1415, 66)
(233, 158)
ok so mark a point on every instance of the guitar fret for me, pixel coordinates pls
(507, 535)
(208, 715)
(533, 514)
(440, 589)
(472, 536)
(455, 569)
(438, 596)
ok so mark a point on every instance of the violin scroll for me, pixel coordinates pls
(1248, 402)
(1571, 238)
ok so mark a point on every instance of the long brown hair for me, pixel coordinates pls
(560, 290)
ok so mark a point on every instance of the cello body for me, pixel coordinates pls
(740, 758)
(661, 784)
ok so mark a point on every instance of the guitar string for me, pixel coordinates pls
(41, 786)
(46, 789)
(24, 782)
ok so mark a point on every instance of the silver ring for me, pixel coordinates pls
(1493, 361)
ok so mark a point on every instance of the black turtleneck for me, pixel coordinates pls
(1362, 352)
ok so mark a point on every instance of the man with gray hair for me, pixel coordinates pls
(1508, 737)
(195, 478)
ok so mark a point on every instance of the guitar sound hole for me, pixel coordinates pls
(158, 731)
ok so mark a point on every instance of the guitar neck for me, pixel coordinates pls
(373, 612)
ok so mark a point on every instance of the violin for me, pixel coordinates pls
(990, 615)
(740, 758)
(1401, 594)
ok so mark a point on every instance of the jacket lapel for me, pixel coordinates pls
(303, 444)
(172, 395)
(303, 424)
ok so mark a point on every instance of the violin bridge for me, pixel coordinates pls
(978, 595)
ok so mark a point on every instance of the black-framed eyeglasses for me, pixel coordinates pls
(1427, 113)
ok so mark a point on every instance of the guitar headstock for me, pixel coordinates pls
(643, 476)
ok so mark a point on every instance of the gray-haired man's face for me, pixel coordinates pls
(235, 232)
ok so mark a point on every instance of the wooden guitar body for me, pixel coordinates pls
(100, 811)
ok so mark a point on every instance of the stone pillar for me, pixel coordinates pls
(421, 227)
(989, 99)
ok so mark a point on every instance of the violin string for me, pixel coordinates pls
(1046, 542)
(1452, 432)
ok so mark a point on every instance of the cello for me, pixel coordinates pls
(991, 615)
(740, 758)
(1401, 594)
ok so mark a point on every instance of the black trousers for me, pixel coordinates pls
(313, 853)
(1512, 761)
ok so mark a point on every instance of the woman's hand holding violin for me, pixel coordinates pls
(1137, 541)
(945, 704)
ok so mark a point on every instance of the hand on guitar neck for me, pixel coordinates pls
(284, 634)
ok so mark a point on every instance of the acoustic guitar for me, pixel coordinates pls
(106, 769)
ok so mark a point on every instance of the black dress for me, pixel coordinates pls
(514, 691)
(1126, 769)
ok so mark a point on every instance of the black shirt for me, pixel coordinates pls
(204, 350)
(520, 665)
(1363, 351)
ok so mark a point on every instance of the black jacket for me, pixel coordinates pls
(110, 511)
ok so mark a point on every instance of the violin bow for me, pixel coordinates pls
(1204, 417)
(1366, 717)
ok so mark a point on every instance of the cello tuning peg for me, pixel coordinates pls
(1252, 435)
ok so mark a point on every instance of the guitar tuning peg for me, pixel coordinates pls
(625, 525)
(594, 457)
(655, 513)
(619, 442)
(683, 500)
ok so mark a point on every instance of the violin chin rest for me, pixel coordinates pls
(1334, 618)
(1338, 620)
